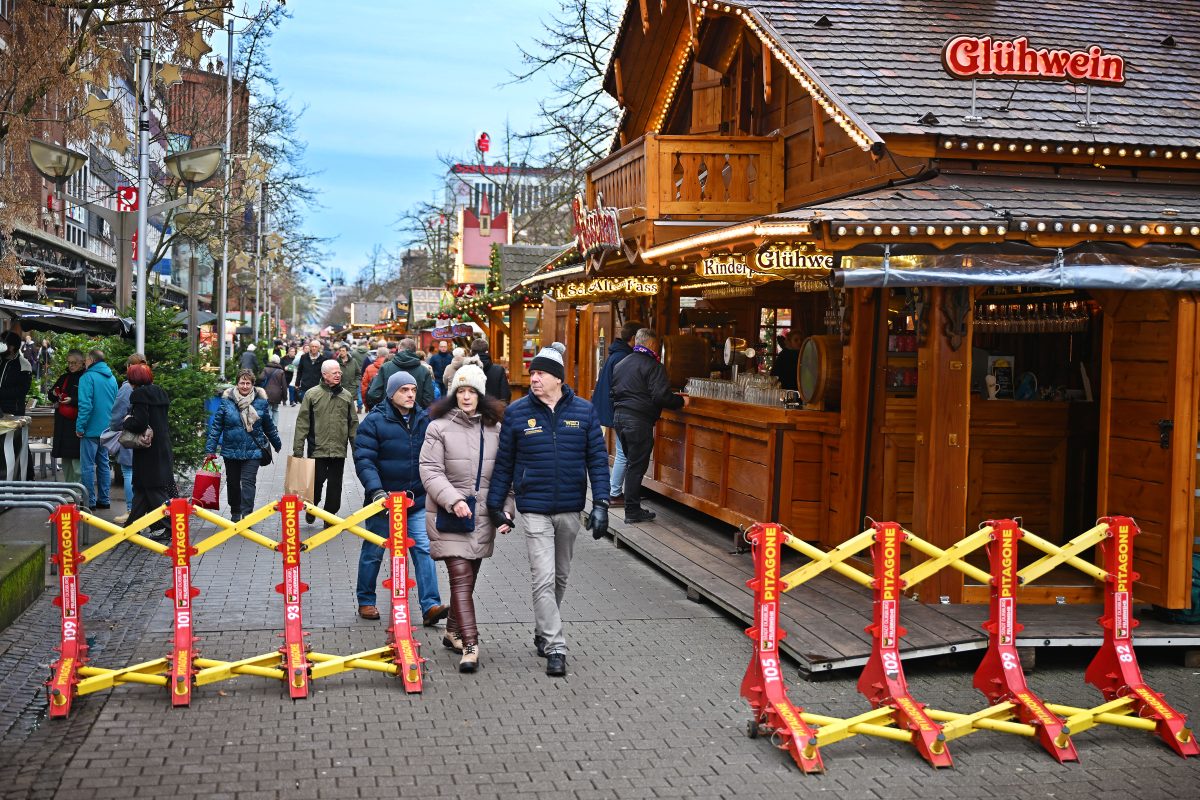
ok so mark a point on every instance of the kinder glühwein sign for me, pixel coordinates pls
(595, 229)
(768, 263)
(970, 57)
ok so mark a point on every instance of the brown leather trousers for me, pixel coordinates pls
(463, 572)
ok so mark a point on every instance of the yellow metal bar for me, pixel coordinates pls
(229, 529)
(1068, 553)
(238, 527)
(837, 732)
(370, 660)
(993, 718)
(97, 678)
(338, 524)
(129, 533)
(1106, 717)
(1080, 719)
(822, 560)
(950, 557)
(213, 670)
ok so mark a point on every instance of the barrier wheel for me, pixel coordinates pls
(752, 728)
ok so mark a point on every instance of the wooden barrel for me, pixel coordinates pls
(819, 372)
(685, 357)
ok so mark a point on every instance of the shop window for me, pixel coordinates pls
(773, 325)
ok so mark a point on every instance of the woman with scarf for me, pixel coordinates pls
(243, 428)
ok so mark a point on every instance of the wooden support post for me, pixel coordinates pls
(516, 327)
(942, 442)
(855, 413)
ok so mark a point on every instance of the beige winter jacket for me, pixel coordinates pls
(449, 460)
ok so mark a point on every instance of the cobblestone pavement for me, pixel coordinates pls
(650, 707)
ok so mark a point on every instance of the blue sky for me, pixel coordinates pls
(389, 85)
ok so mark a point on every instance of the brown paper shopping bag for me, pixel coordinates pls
(301, 477)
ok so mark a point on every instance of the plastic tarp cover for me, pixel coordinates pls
(1090, 269)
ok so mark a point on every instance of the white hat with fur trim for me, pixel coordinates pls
(469, 374)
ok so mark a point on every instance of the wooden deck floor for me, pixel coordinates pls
(826, 617)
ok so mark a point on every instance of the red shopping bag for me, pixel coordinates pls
(206, 489)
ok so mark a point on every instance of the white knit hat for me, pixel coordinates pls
(469, 374)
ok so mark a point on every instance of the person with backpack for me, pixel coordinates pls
(274, 383)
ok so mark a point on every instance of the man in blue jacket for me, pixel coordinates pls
(621, 347)
(97, 393)
(551, 445)
(387, 455)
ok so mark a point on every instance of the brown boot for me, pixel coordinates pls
(470, 658)
(368, 612)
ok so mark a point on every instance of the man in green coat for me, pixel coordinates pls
(327, 422)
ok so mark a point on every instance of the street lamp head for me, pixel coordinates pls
(194, 167)
(55, 163)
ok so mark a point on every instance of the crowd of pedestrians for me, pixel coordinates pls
(473, 462)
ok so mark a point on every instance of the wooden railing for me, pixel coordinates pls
(691, 176)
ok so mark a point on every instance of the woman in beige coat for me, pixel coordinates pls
(450, 461)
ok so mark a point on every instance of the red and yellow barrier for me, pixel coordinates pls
(1013, 705)
(183, 669)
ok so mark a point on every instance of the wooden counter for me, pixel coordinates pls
(744, 463)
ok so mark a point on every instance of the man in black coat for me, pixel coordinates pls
(308, 368)
(497, 379)
(438, 363)
(639, 392)
(621, 347)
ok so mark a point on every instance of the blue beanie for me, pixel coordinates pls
(397, 380)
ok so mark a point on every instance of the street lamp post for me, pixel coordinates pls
(57, 164)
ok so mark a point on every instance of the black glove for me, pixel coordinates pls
(378, 494)
(597, 521)
(499, 517)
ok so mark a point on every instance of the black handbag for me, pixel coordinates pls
(265, 459)
(448, 521)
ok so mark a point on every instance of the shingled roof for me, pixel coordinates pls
(1000, 200)
(882, 58)
(518, 261)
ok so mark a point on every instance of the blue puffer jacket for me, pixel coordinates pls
(600, 397)
(387, 452)
(547, 456)
(228, 431)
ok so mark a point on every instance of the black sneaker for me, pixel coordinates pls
(636, 515)
(556, 665)
(539, 642)
(102, 506)
(309, 518)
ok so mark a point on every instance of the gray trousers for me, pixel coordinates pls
(551, 542)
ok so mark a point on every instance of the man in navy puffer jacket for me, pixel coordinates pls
(550, 446)
(387, 456)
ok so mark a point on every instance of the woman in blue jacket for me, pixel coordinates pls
(243, 428)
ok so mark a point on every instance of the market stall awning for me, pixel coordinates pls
(964, 217)
(36, 317)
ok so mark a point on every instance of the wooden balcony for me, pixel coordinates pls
(691, 177)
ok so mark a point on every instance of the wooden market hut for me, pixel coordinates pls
(1002, 193)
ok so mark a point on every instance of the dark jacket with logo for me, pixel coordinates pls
(640, 388)
(402, 362)
(547, 456)
(387, 452)
(600, 397)
(438, 363)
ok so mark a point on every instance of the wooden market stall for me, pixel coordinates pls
(997, 283)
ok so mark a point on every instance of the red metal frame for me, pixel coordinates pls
(1000, 676)
(1114, 670)
(406, 650)
(882, 681)
(73, 649)
(763, 683)
(295, 653)
(179, 513)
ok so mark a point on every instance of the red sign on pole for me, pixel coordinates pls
(483, 143)
(127, 198)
